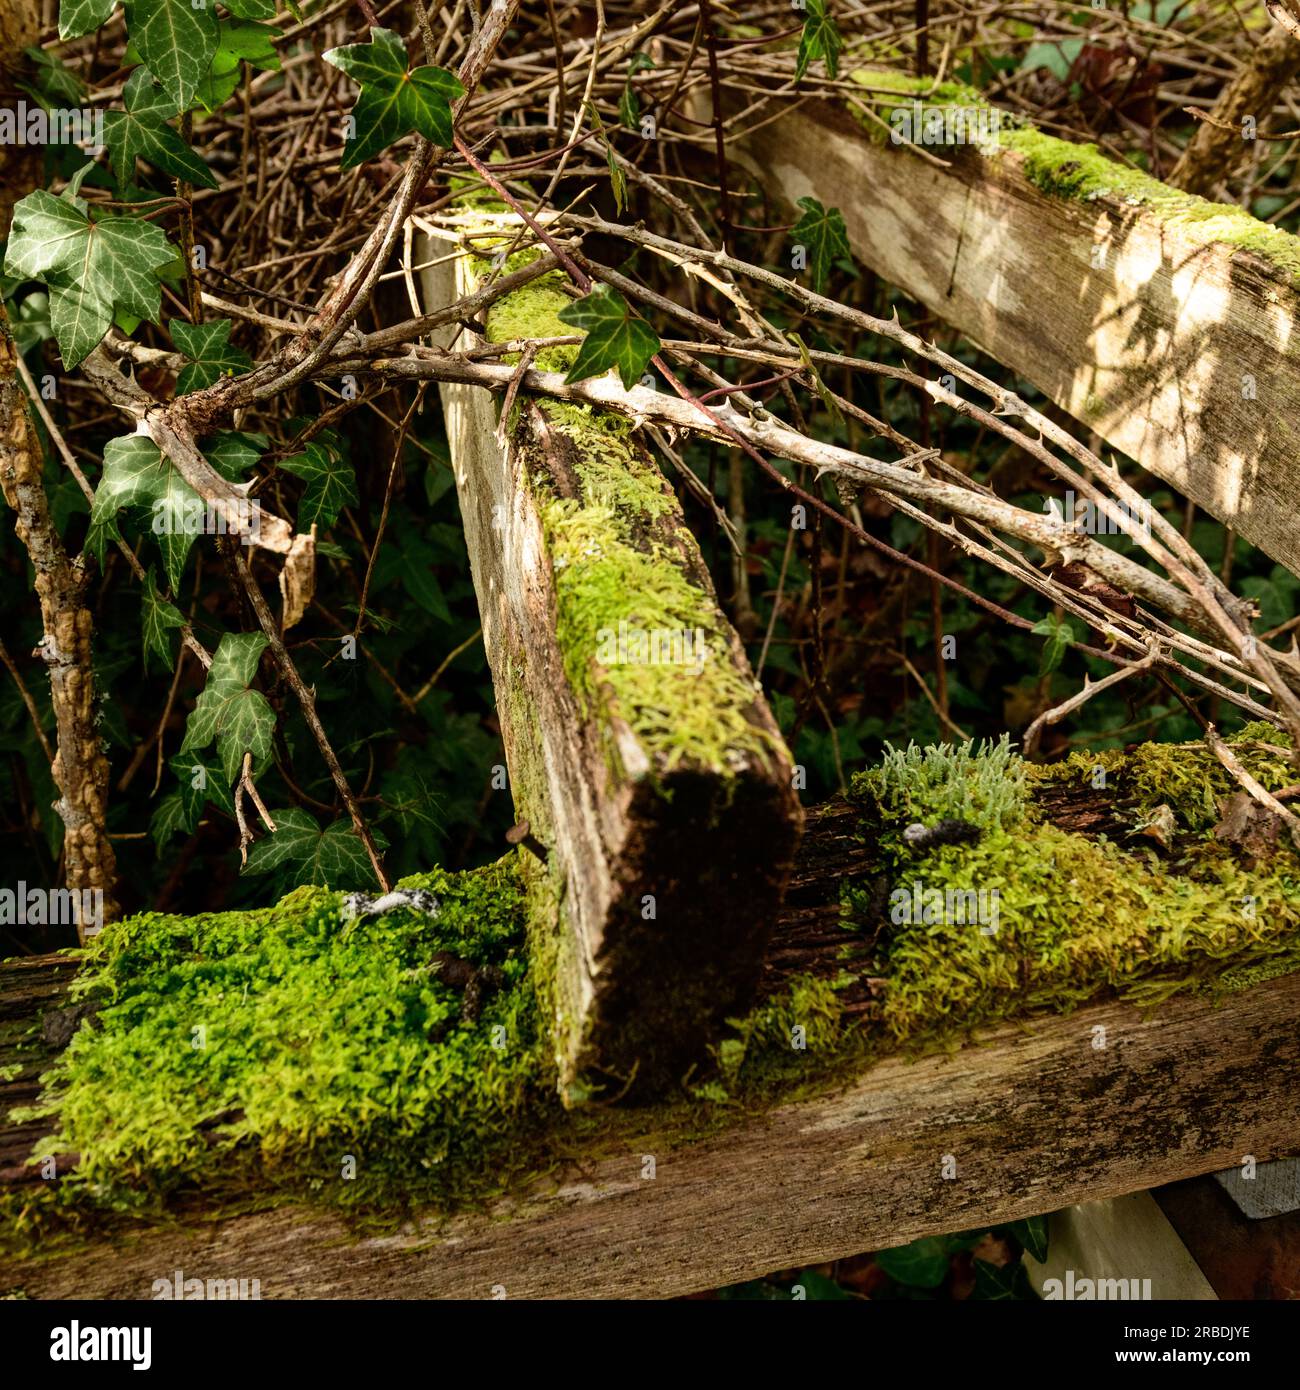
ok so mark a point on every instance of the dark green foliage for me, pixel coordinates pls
(616, 337)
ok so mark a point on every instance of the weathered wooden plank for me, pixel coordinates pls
(1034, 1119)
(1176, 349)
(667, 856)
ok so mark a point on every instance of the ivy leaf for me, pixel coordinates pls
(167, 820)
(239, 719)
(201, 784)
(393, 101)
(55, 83)
(176, 42)
(252, 9)
(232, 453)
(237, 40)
(922, 1264)
(1001, 1284)
(629, 104)
(615, 337)
(211, 354)
(77, 17)
(141, 132)
(617, 178)
(822, 232)
(137, 475)
(92, 269)
(1060, 634)
(821, 39)
(1032, 1234)
(333, 857)
(157, 617)
(331, 484)
(254, 43)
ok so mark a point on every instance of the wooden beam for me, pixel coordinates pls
(1176, 349)
(1035, 1119)
(666, 861)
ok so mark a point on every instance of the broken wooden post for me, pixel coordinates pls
(1161, 321)
(860, 1164)
(641, 751)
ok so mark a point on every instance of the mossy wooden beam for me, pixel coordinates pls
(640, 748)
(1036, 1118)
(1161, 321)
(343, 1077)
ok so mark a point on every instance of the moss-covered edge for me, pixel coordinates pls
(614, 574)
(1082, 173)
(1084, 919)
(620, 567)
(1018, 914)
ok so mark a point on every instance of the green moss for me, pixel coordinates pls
(322, 1040)
(1187, 777)
(1032, 916)
(532, 311)
(1082, 173)
(984, 784)
(896, 88)
(615, 572)
(693, 708)
(287, 1049)
(806, 1016)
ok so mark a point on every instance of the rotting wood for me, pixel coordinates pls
(1175, 350)
(1037, 1117)
(666, 874)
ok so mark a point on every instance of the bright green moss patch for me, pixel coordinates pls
(1033, 916)
(642, 637)
(289, 1048)
(1083, 172)
(806, 1017)
(245, 1059)
(643, 641)
(286, 1055)
(889, 89)
(1187, 778)
(613, 473)
(532, 311)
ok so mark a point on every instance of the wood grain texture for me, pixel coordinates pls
(1036, 1119)
(636, 996)
(1157, 348)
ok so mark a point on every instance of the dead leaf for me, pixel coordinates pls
(1161, 826)
(1248, 827)
(298, 578)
